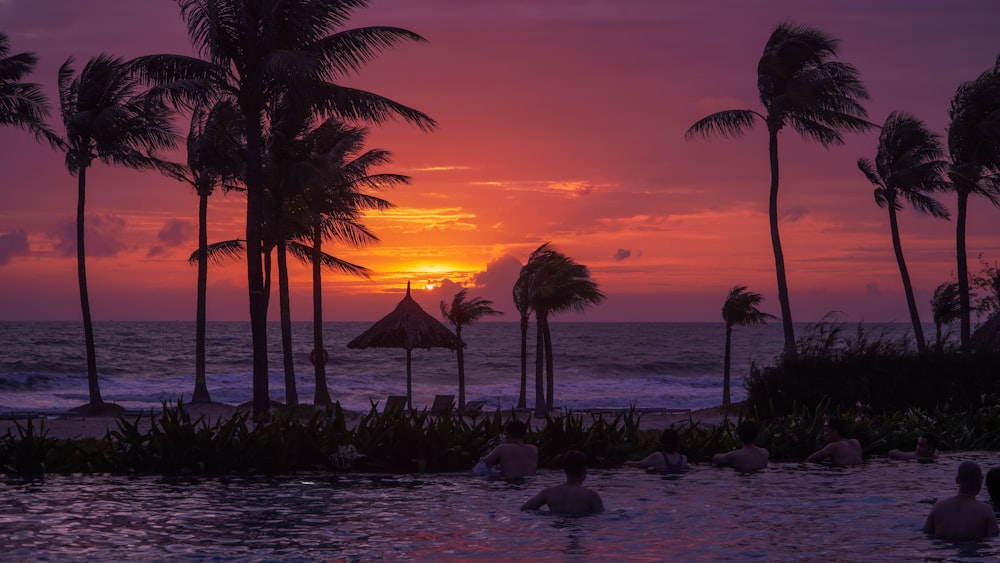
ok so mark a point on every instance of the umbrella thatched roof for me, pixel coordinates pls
(408, 327)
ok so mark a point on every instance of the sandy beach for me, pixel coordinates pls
(71, 426)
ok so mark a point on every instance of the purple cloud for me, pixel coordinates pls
(13, 244)
(102, 236)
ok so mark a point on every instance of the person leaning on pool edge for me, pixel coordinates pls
(747, 458)
(839, 449)
(515, 458)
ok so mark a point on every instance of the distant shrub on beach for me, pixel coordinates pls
(871, 373)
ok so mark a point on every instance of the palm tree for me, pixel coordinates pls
(22, 104)
(555, 284)
(214, 158)
(908, 166)
(946, 309)
(974, 162)
(520, 295)
(465, 312)
(325, 175)
(801, 86)
(107, 117)
(740, 309)
(256, 48)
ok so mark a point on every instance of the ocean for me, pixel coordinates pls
(597, 365)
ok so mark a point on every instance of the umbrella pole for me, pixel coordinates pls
(409, 382)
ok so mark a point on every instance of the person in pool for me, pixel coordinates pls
(749, 457)
(993, 487)
(839, 449)
(571, 497)
(926, 451)
(515, 458)
(666, 461)
(962, 517)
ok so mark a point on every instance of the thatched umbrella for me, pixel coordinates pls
(408, 327)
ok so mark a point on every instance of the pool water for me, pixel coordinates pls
(788, 512)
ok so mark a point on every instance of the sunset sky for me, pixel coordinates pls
(560, 121)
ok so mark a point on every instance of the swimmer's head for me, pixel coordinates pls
(747, 431)
(575, 463)
(837, 425)
(669, 440)
(515, 429)
(970, 477)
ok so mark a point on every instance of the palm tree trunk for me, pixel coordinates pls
(963, 272)
(319, 356)
(726, 363)
(522, 398)
(549, 369)
(81, 272)
(255, 267)
(539, 372)
(779, 257)
(911, 302)
(409, 380)
(937, 340)
(284, 302)
(200, 394)
(461, 369)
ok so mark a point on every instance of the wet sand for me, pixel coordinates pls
(72, 426)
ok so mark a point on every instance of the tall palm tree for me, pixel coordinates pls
(801, 86)
(107, 118)
(22, 104)
(946, 309)
(255, 48)
(326, 176)
(973, 166)
(740, 309)
(464, 312)
(214, 159)
(556, 284)
(908, 166)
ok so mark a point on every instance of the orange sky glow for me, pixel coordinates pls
(560, 121)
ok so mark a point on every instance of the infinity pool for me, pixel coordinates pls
(789, 512)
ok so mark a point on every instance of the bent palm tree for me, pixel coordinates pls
(107, 118)
(800, 86)
(946, 308)
(908, 166)
(740, 309)
(973, 166)
(459, 314)
(22, 104)
(556, 284)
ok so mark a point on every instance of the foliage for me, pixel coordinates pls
(873, 373)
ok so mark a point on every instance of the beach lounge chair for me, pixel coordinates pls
(443, 404)
(395, 403)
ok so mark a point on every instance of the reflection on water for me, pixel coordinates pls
(789, 512)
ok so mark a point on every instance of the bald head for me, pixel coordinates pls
(970, 477)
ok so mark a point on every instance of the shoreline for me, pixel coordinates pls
(74, 426)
